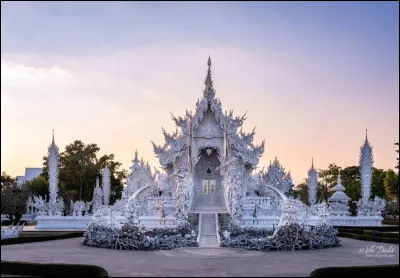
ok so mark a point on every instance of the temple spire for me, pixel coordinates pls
(52, 141)
(366, 134)
(209, 90)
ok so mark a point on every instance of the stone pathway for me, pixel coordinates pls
(208, 230)
(202, 262)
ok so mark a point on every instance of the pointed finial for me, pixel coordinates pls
(312, 162)
(366, 134)
(53, 137)
(209, 90)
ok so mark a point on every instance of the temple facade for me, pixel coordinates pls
(202, 143)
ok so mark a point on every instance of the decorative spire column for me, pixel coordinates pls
(366, 163)
(53, 159)
(312, 184)
(209, 91)
(106, 181)
(97, 196)
(339, 202)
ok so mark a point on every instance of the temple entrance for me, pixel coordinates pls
(208, 192)
(209, 187)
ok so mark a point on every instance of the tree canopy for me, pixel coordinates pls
(79, 166)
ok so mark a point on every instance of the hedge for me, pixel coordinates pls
(9, 222)
(369, 238)
(357, 271)
(381, 234)
(390, 222)
(52, 269)
(27, 237)
(380, 228)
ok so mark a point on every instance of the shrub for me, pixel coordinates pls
(131, 237)
(54, 270)
(390, 222)
(288, 237)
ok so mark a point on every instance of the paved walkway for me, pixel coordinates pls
(201, 262)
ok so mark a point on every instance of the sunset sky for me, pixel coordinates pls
(311, 75)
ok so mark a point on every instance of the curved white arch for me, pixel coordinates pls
(276, 190)
(136, 194)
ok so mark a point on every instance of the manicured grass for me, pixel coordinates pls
(49, 269)
(38, 236)
(357, 271)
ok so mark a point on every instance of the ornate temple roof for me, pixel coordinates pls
(241, 142)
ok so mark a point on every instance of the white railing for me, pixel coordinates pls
(165, 201)
(158, 222)
(269, 222)
(62, 222)
(217, 229)
(266, 222)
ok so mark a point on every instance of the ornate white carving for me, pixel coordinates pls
(12, 231)
(339, 202)
(97, 196)
(277, 177)
(312, 184)
(53, 159)
(366, 163)
(184, 190)
(106, 185)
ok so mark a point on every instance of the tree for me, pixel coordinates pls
(38, 186)
(14, 201)
(329, 176)
(322, 192)
(79, 167)
(301, 190)
(6, 179)
(350, 174)
(377, 183)
(391, 182)
(117, 176)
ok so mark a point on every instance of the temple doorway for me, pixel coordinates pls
(209, 187)
(208, 191)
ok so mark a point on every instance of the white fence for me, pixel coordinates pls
(63, 222)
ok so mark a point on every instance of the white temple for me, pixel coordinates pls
(208, 169)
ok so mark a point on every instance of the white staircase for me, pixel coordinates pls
(208, 230)
(208, 203)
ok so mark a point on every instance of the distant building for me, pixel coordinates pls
(30, 174)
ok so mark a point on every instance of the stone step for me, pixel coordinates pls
(208, 230)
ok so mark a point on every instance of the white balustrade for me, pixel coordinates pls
(62, 222)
